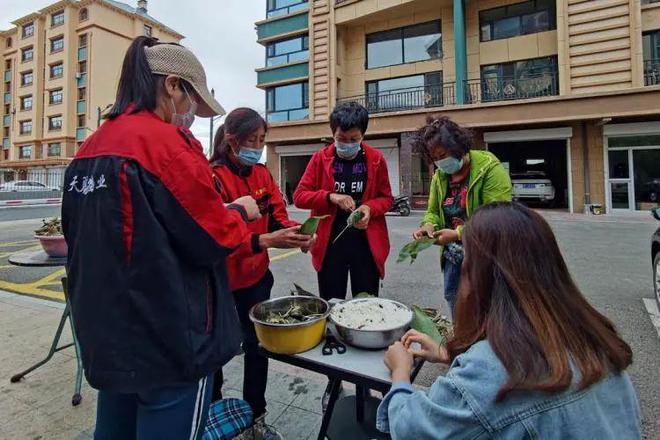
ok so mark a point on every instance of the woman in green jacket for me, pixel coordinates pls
(465, 180)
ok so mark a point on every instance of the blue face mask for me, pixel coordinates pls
(249, 156)
(347, 151)
(449, 165)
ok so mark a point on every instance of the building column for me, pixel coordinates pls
(460, 50)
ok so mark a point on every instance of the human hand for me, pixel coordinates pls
(288, 238)
(250, 205)
(445, 236)
(366, 216)
(307, 247)
(424, 231)
(343, 201)
(400, 361)
(429, 351)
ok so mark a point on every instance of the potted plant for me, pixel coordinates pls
(52, 238)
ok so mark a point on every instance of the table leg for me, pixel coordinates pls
(335, 386)
(53, 347)
(360, 399)
(77, 397)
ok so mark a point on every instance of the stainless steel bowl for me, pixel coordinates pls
(371, 339)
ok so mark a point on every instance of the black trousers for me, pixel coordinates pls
(255, 366)
(349, 255)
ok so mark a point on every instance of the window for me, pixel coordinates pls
(518, 19)
(26, 78)
(287, 51)
(288, 103)
(55, 122)
(81, 121)
(56, 70)
(28, 30)
(8, 42)
(148, 31)
(57, 44)
(405, 92)
(519, 80)
(409, 44)
(54, 149)
(25, 127)
(651, 49)
(279, 8)
(25, 152)
(82, 93)
(26, 102)
(57, 19)
(82, 67)
(83, 14)
(55, 96)
(82, 40)
(7, 64)
(27, 54)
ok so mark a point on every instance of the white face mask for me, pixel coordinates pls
(186, 119)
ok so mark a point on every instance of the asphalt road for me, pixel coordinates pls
(609, 259)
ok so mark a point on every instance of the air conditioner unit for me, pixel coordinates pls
(78, 75)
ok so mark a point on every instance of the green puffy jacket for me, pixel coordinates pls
(489, 182)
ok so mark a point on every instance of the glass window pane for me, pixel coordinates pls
(288, 46)
(400, 83)
(492, 14)
(299, 56)
(422, 42)
(278, 117)
(520, 8)
(635, 141)
(485, 32)
(506, 28)
(288, 97)
(646, 172)
(537, 22)
(619, 164)
(384, 49)
(296, 115)
(619, 192)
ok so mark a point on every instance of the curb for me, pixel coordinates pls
(27, 202)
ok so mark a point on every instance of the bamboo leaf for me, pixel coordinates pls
(412, 249)
(424, 324)
(311, 225)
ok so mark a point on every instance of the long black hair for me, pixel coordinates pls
(138, 86)
(241, 123)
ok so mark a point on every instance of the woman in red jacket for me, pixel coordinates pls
(238, 146)
(345, 176)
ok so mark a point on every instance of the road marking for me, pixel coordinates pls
(285, 255)
(16, 243)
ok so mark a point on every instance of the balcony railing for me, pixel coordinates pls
(509, 89)
(81, 133)
(82, 54)
(7, 75)
(652, 72)
(81, 107)
(406, 99)
(476, 91)
(7, 98)
(6, 120)
(5, 143)
(82, 80)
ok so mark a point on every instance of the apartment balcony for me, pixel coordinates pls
(273, 27)
(7, 99)
(476, 92)
(81, 133)
(7, 75)
(6, 120)
(511, 89)
(82, 54)
(82, 80)
(270, 75)
(81, 107)
(286, 10)
(5, 143)
(652, 72)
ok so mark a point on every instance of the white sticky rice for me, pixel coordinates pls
(371, 314)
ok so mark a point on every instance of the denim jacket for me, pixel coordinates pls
(461, 405)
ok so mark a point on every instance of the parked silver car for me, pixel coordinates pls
(532, 185)
(26, 186)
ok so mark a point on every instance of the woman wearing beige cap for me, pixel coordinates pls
(148, 235)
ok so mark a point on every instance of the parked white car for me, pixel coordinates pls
(26, 186)
(533, 185)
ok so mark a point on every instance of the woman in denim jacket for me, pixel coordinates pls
(530, 358)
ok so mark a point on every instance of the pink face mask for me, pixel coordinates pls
(186, 119)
